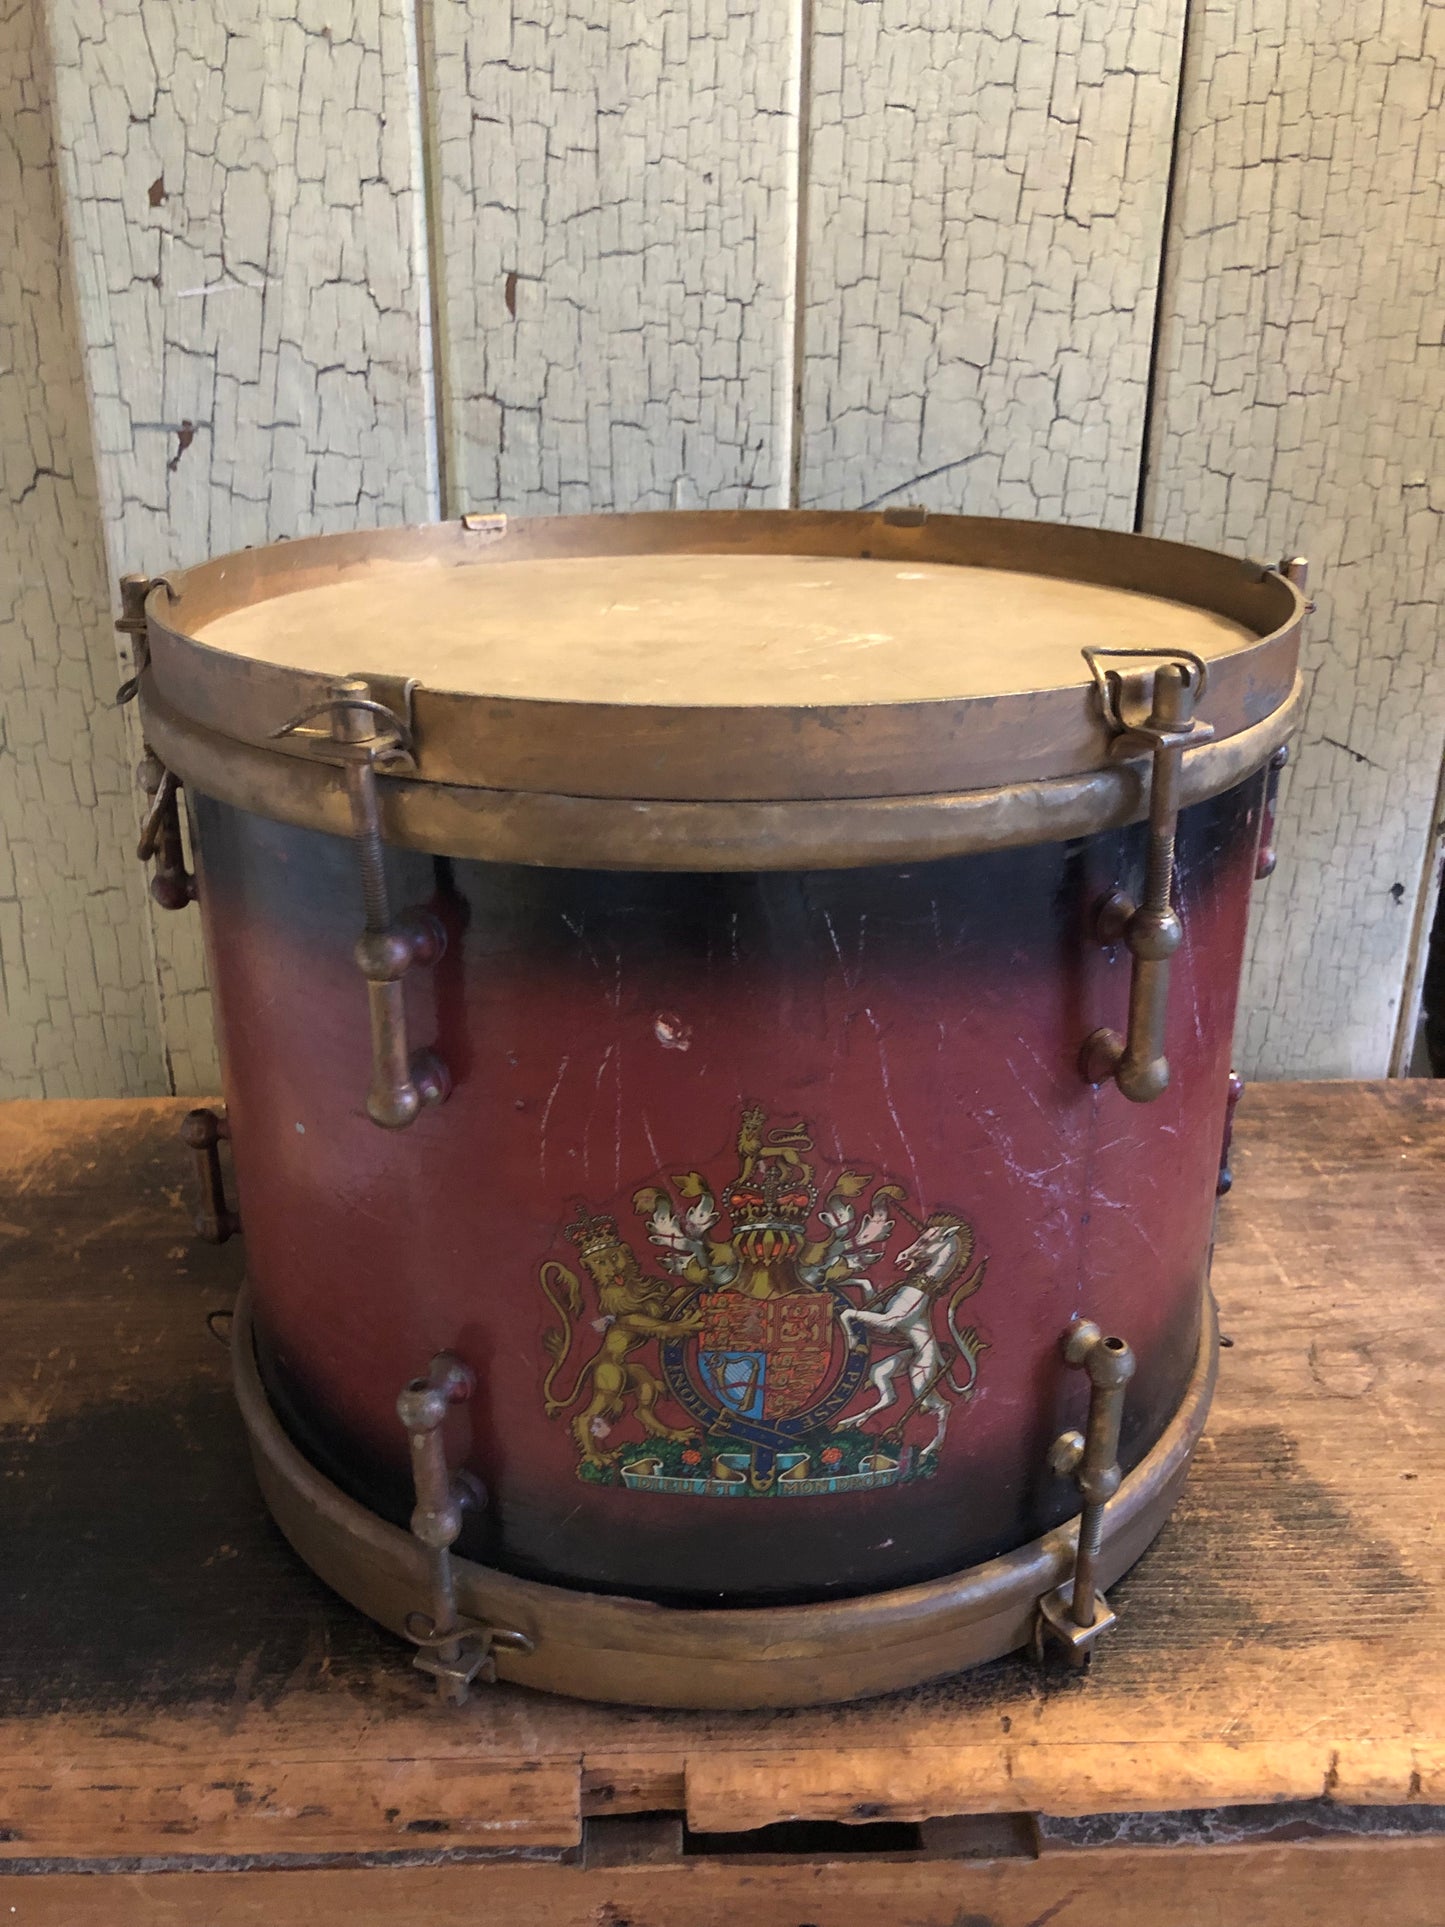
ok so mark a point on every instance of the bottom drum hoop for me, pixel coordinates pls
(633, 1652)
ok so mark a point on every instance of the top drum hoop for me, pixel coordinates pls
(640, 783)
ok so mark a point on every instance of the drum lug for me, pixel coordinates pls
(1234, 1092)
(1073, 1615)
(172, 885)
(369, 736)
(204, 1131)
(454, 1650)
(1136, 1062)
(1268, 857)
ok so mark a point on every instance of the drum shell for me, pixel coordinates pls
(606, 1032)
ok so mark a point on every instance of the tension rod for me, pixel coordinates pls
(1137, 1062)
(1076, 1613)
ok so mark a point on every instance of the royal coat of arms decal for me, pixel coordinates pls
(787, 1348)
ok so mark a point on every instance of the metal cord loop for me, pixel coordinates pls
(400, 752)
(1109, 683)
(134, 589)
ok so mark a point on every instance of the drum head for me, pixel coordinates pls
(723, 656)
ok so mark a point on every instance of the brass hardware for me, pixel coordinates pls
(592, 832)
(402, 1080)
(131, 622)
(1268, 857)
(454, 1650)
(1153, 932)
(1076, 1613)
(172, 885)
(494, 527)
(1296, 571)
(204, 1131)
(1111, 919)
(1234, 1092)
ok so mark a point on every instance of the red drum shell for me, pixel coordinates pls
(900, 1044)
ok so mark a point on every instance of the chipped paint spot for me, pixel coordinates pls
(671, 1032)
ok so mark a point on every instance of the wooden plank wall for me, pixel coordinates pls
(1300, 405)
(341, 262)
(986, 184)
(79, 1015)
(243, 192)
(617, 206)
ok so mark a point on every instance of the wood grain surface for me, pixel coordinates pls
(173, 1682)
(1328, 1885)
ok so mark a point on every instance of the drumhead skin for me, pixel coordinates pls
(694, 630)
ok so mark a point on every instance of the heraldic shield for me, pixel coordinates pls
(788, 1348)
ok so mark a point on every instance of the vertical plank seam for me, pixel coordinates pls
(1412, 988)
(793, 473)
(429, 255)
(1161, 285)
(121, 658)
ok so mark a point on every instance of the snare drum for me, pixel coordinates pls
(726, 1026)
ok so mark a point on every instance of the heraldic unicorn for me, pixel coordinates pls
(765, 1345)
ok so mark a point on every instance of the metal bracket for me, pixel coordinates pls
(1075, 1614)
(454, 1650)
(1296, 569)
(366, 736)
(1233, 1092)
(1152, 930)
(131, 622)
(172, 885)
(1268, 857)
(387, 699)
(204, 1131)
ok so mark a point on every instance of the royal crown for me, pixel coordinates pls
(591, 1231)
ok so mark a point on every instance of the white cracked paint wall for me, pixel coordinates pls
(79, 1016)
(243, 197)
(986, 186)
(1301, 408)
(620, 257)
(617, 197)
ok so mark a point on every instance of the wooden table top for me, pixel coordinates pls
(173, 1681)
